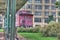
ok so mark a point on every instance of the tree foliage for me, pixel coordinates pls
(59, 13)
(57, 4)
(50, 18)
(3, 5)
(51, 29)
(20, 3)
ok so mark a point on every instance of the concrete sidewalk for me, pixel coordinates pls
(2, 36)
(21, 37)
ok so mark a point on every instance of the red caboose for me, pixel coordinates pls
(24, 18)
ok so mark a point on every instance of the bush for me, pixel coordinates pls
(51, 29)
(0, 27)
(58, 36)
(36, 29)
(21, 29)
(29, 30)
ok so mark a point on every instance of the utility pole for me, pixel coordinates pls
(7, 22)
(13, 12)
(10, 20)
(10, 16)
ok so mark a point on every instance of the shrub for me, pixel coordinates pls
(0, 27)
(30, 30)
(51, 29)
(58, 36)
(36, 29)
(21, 29)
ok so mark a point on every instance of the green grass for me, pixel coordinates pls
(1, 30)
(36, 36)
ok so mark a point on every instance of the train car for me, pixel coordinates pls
(24, 18)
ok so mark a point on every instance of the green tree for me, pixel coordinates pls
(56, 4)
(3, 5)
(59, 13)
(20, 3)
(50, 18)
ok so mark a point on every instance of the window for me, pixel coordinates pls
(0, 18)
(53, 13)
(38, 25)
(38, 13)
(59, 7)
(38, 6)
(53, 7)
(38, 1)
(37, 19)
(54, 19)
(46, 6)
(0, 25)
(58, 19)
(29, 6)
(46, 20)
(46, 13)
(30, 12)
(47, 1)
(30, 1)
(53, 1)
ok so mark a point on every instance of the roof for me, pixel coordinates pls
(24, 12)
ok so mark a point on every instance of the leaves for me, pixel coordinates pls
(57, 4)
(50, 18)
(20, 3)
(59, 13)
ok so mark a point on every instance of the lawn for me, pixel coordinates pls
(1, 30)
(36, 36)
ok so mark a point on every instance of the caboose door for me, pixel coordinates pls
(23, 23)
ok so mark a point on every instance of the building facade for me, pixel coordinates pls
(41, 9)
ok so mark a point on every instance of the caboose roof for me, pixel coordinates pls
(24, 12)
